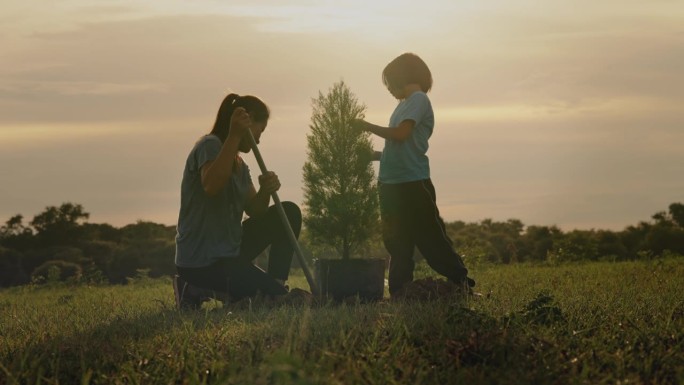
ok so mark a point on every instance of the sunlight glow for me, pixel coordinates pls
(373, 20)
(608, 108)
(24, 134)
(14, 136)
(72, 88)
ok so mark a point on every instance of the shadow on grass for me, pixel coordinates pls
(70, 357)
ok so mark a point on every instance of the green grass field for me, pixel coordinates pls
(572, 324)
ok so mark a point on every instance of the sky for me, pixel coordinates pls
(561, 112)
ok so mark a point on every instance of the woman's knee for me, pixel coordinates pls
(294, 214)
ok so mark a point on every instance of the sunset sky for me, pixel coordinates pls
(560, 112)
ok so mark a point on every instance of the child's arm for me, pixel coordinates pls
(399, 133)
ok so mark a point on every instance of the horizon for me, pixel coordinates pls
(27, 218)
(568, 114)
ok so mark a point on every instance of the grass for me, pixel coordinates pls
(572, 324)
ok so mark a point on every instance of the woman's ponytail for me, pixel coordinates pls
(222, 123)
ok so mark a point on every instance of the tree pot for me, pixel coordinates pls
(341, 278)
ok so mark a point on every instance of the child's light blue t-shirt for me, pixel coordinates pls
(209, 227)
(407, 161)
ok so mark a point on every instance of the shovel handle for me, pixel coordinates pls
(283, 217)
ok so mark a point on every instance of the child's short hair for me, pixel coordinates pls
(406, 69)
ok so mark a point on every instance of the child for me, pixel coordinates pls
(408, 208)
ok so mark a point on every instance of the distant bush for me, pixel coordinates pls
(57, 270)
(11, 272)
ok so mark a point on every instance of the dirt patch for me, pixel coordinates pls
(295, 297)
(430, 289)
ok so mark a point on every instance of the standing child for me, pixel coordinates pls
(408, 207)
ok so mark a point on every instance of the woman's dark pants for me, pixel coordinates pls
(238, 276)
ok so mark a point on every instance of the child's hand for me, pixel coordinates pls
(370, 156)
(360, 125)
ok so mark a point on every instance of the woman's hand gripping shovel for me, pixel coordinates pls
(283, 218)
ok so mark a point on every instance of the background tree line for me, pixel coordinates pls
(512, 241)
(59, 241)
(59, 244)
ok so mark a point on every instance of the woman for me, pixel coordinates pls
(215, 249)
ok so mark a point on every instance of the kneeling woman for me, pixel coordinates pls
(215, 249)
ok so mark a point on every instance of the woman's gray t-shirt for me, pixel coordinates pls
(210, 227)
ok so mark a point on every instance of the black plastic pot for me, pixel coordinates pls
(342, 278)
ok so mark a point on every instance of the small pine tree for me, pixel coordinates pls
(339, 183)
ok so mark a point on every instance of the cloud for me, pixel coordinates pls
(598, 109)
(75, 88)
(159, 67)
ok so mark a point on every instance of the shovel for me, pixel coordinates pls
(283, 217)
